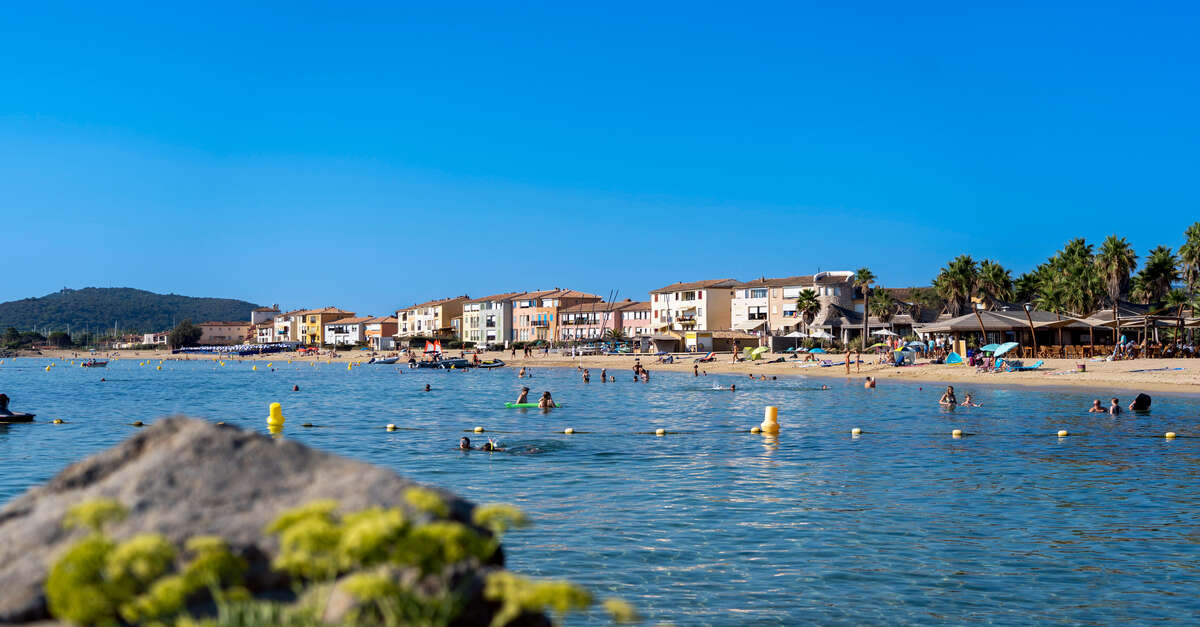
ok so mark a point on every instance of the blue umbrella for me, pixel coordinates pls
(817, 350)
(1005, 347)
(990, 348)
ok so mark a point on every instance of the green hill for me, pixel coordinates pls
(99, 308)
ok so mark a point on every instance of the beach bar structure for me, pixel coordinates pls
(1040, 333)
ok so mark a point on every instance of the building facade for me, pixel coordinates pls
(635, 319)
(264, 314)
(313, 321)
(346, 331)
(536, 314)
(694, 306)
(433, 319)
(489, 320)
(381, 332)
(223, 332)
(594, 321)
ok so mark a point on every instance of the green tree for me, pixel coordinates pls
(1157, 276)
(60, 339)
(1189, 258)
(11, 335)
(863, 280)
(995, 282)
(184, 334)
(956, 283)
(1116, 261)
(1025, 288)
(808, 306)
(884, 306)
(615, 335)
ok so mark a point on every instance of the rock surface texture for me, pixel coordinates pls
(181, 478)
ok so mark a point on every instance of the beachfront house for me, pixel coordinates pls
(536, 314)
(287, 326)
(488, 321)
(430, 319)
(264, 332)
(155, 339)
(313, 321)
(768, 306)
(593, 321)
(694, 306)
(264, 314)
(346, 331)
(380, 332)
(212, 333)
(635, 319)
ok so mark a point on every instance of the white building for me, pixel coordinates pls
(694, 306)
(287, 326)
(264, 314)
(346, 331)
(489, 320)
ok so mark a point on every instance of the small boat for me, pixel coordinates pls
(491, 363)
(456, 364)
(424, 364)
(16, 417)
(92, 363)
(387, 360)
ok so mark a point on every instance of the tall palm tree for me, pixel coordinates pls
(863, 280)
(615, 335)
(1158, 275)
(1116, 261)
(1177, 300)
(1189, 258)
(957, 282)
(1025, 288)
(884, 306)
(995, 282)
(808, 306)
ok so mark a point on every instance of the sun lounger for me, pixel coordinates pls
(705, 359)
(1035, 366)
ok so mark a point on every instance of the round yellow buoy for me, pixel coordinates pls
(1170, 435)
(57, 421)
(254, 367)
(391, 427)
(158, 367)
(770, 423)
(856, 431)
(349, 366)
(755, 429)
(275, 417)
(478, 429)
(660, 432)
(268, 364)
(1062, 433)
(568, 431)
(47, 368)
(956, 433)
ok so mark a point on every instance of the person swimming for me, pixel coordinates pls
(524, 396)
(969, 401)
(1096, 408)
(545, 402)
(1115, 408)
(587, 376)
(869, 383)
(948, 398)
(464, 444)
(427, 388)
(604, 375)
(490, 446)
(521, 374)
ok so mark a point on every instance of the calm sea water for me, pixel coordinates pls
(713, 525)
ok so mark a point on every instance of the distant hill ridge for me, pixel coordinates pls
(98, 308)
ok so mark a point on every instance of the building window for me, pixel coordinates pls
(758, 293)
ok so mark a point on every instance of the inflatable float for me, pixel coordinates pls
(526, 405)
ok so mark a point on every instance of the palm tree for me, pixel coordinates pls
(884, 306)
(863, 280)
(615, 335)
(1189, 258)
(808, 306)
(1177, 300)
(957, 282)
(1025, 288)
(1158, 275)
(1116, 261)
(994, 281)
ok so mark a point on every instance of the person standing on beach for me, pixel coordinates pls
(847, 361)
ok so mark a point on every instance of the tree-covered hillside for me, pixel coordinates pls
(99, 308)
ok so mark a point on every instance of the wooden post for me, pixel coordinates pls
(982, 330)
(1032, 331)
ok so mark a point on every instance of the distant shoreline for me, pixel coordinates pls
(1110, 376)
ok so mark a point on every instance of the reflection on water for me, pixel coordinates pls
(710, 524)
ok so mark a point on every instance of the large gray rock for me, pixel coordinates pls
(183, 477)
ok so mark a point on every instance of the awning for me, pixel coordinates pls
(749, 325)
(663, 338)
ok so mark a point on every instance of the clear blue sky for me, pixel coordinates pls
(369, 157)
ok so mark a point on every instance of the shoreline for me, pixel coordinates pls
(1158, 375)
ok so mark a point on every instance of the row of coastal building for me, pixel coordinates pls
(696, 315)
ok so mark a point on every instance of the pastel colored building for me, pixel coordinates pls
(536, 314)
(287, 326)
(693, 306)
(433, 319)
(264, 314)
(223, 333)
(489, 320)
(313, 321)
(635, 319)
(593, 321)
(264, 332)
(381, 332)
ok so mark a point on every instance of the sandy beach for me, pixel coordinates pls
(1163, 375)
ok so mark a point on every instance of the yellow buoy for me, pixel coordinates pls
(57, 421)
(956, 433)
(770, 423)
(478, 429)
(660, 432)
(158, 367)
(254, 367)
(349, 366)
(47, 368)
(568, 431)
(1062, 433)
(755, 429)
(1170, 435)
(268, 364)
(275, 417)
(856, 431)
(391, 427)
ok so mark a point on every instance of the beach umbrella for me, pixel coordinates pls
(817, 350)
(823, 335)
(795, 334)
(990, 348)
(1005, 347)
(876, 345)
(757, 352)
(882, 332)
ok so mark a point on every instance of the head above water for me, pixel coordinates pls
(464, 443)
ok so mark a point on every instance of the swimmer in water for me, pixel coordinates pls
(546, 402)
(948, 398)
(824, 387)
(427, 388)
(604, 375)
(521, 374)
(1115, 408)
(490, 447)
(695, 371)
(870, 383)
(524, 396)
(1096, 408)
(587, 377)
(464, 444)
(969, 401)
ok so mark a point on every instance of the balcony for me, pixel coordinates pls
(540, 322)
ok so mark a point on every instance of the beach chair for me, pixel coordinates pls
(705, 359)
(1037, 364)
